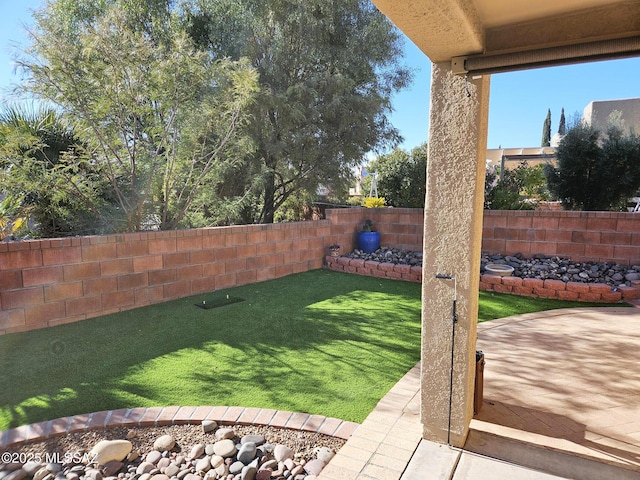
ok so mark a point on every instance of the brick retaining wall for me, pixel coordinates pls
(529, 287)
(374, 269)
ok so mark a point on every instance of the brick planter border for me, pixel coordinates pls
(177, 415)
(527, 287)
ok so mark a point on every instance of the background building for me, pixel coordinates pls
(598, 113)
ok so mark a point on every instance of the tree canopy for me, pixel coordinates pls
(595, 172)
(519, 189)
(161, 122)
(204, 112)
(327, 70)
(562, 127)
(402, 176)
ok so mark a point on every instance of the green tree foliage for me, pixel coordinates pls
(562, 127)
(402, 176)
(327, 70)
(13, 217)
(518, 189)
(546, 130)
(41, 177)
(595, 173)
(163, 123)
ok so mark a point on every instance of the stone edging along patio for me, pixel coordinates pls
(529, 287)
(177, 415)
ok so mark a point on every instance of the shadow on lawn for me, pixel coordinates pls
(319, 342)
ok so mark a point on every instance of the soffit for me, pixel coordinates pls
(444, 29)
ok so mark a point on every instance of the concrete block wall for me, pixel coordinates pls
(49, 282)
(581, 236)
(398, 227)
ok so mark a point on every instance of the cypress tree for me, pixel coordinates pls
(546, 130)
(562, 130)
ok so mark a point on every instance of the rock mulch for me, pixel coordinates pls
(566, 270)
(538, 266)
(178, 452)
(389, 255)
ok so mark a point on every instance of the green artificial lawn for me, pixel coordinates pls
(320, 342)
(499, 305)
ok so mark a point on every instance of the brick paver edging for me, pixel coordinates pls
(527, 287)
(176, 415)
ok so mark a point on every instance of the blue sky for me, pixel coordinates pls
(518, 100)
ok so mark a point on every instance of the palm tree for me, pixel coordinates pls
(41, 174)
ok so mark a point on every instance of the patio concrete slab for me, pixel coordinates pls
(567, 381)
(432, 460)
(478, 467)
(540, 458)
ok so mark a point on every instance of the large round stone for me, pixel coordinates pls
(209, 426)
(203, 465)
(282, 452)
(111, 468)
(247, 452)
(144, 467)
(264, 474)
(225, 433)
(216, 461)
(225, 448)
(324, 453)
(236, 467)
(172, 470)
(248, 473)
(153, 457)
(314, 467)
(164, 443)
(108, 450)
(197, 450)
(257, 439)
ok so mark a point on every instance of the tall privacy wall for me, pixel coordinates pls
(50, 282)
(581, 236)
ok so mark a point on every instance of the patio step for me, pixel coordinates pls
(555, 462)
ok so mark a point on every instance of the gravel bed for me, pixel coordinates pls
(538, 266)
(305, 446)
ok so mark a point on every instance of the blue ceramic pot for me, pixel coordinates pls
(368, 242)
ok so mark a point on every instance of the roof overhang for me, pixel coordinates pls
(487, 36)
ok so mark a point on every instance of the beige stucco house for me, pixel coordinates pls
(468, 41)
(599, 113)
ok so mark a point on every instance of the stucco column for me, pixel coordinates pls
(452, 243)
